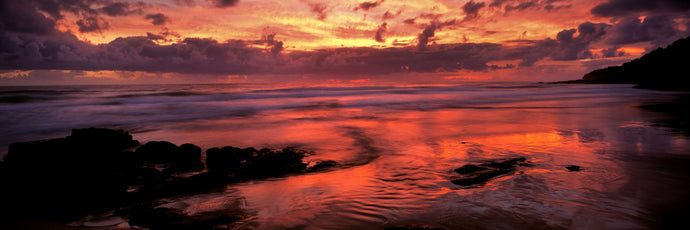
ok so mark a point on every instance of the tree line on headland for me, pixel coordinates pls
(662, 69)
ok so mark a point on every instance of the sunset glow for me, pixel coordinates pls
(257, 38)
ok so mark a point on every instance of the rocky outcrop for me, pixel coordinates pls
(84, 172)
(185, 158)
(662, 69)
(95, 170)
(472, 175)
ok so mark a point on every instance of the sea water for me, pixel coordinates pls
(397, 146)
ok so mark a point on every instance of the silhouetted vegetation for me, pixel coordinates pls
(662, 69)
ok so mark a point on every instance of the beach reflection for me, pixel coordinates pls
(397, 147)
(396, 164)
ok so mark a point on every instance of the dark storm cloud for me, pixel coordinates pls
(576, 47)
(224, 3)
(565, 47)
(368, 5)
(89, 13)
(391, 60)
(659, 30)
(203, 55)
(623, 8)
(472, 8)
(158, 19)
(20, 16)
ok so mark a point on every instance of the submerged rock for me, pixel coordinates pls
(573, 168)
(470, 174)
(252, 163)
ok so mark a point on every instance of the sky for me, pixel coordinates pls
(355, 41)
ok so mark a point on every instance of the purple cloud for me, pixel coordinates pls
(223, 3)
(472, 8)
(368, 5)
(158, 19)
(625, 8)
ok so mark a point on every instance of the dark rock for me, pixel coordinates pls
(101, 138)
(91, 171)
(158, 152)
(227, 159)
(469, 168)
(270, 163)
(70, 176)
(470, 174)
(573, 168)
(186, 158)
(505, 164)
(250, 163)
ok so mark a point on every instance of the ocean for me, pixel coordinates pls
(397, 146)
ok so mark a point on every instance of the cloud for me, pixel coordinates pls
(410, 21)
(273, 46)
(659, 30)
(472, 8)
(223, 3)
(565, 47)
(33, 43)
(20, 16)
(158, 19)
(573, 48)
(92, 24)
(423, 38)
(429, 31)
(389, 15)
(379, 32)
(152, 36)
(368, 5)
(521, 5)
(612, 52)
(624, 8)
(164, 36)
(117, 9)
(320, 10)
(63, 51)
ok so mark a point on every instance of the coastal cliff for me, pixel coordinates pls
(662, 69)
